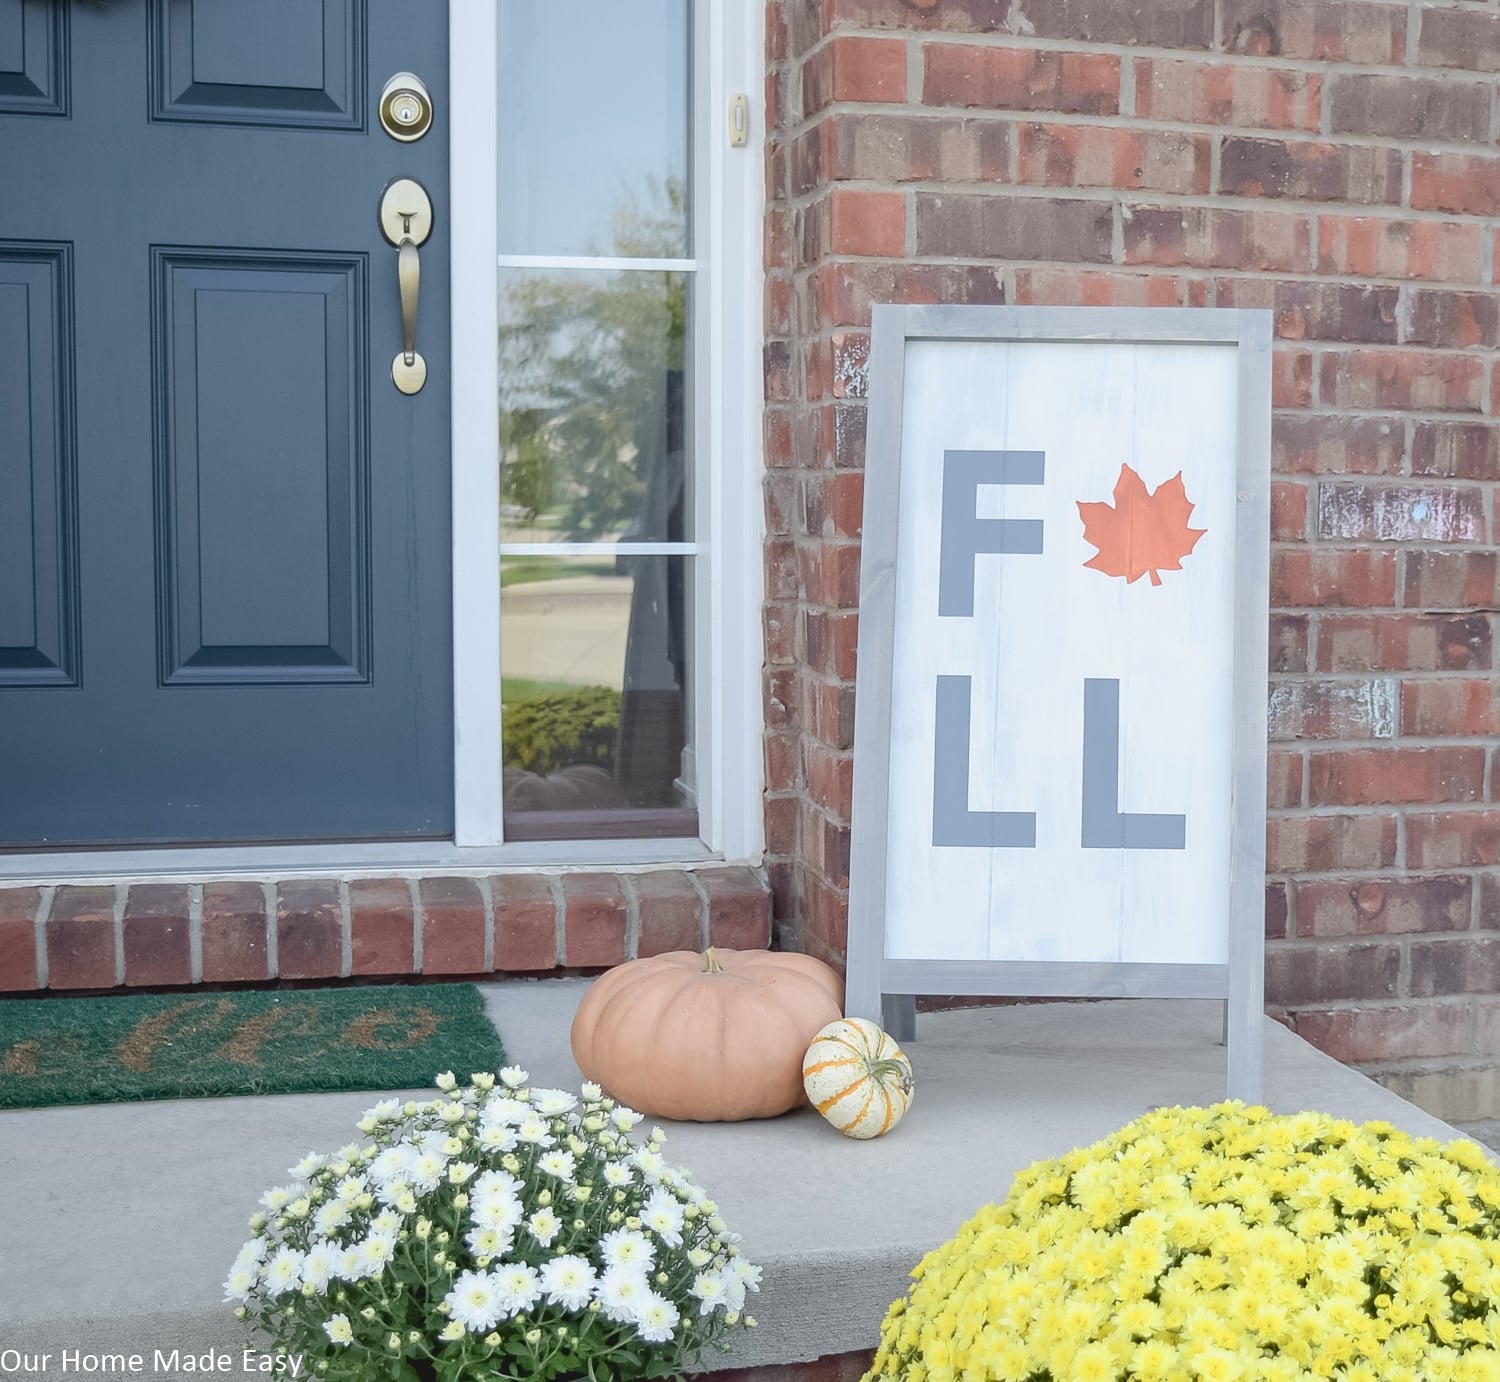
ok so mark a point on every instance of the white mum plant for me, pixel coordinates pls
(495, 1232)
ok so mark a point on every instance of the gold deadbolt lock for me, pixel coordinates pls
(405, 107)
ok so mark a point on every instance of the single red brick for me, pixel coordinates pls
(1403, 380)
(1109, 156)
(18, 908)
(881, 146)
(1466, 706)
(1382, 906)
(1323, 30)
(1409, 107)
(1307, 171)
(453, 926)
(670, 912)
(1397, 1032)
(1342, 972)
(309, 929)
(1322, 844)
(739, 908)
(863, 222)
(1460, 38)
(1437, 580)
(1470, 965)
(957, 74)
(1463, 450)
(1218, 237)
(1331, 445)
(1380, 247)
(1059, 229)
(234, 933)
(525, 922)
(1288, 645)
(1288, 511)
(1453, 839)
(1305, 311)
(1403, 642)
(1198, 93)
(1276, 911)
(156, 935)
(1303, 577)
(382, 935)
(1101, 288)
(1371, 777)
(868, 69)
(1283, 780)
(781, 825)
(594, 920)
(81, 939)
(1385, 512)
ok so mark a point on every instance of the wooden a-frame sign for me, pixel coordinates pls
(1060, 728)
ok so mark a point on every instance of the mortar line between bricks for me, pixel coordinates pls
(122, 896)
(414, 889)
(632, 916)
(273, 955)
(487, 896)
(39, 928)
(346, 931)
(195, 932)
(559, 919)
(704, 919)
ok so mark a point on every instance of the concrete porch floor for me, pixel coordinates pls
(118, 1222)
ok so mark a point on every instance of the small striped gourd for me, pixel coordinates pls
(857, 1077)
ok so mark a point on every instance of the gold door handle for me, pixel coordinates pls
(406, 221)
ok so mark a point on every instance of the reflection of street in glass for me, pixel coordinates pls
(571, 630)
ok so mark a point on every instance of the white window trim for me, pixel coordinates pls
(727, 715)
(728, 579)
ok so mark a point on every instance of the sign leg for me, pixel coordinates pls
(898, 1013)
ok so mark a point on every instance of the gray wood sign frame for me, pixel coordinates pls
(884, 989)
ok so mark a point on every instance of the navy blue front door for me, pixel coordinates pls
(225, 583)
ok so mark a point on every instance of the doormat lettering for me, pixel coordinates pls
(204, 1045)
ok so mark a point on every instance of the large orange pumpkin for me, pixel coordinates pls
(711, 1038)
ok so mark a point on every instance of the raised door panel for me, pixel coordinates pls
(33, 57)
(275, 62)
(263, 469)
(38, 582)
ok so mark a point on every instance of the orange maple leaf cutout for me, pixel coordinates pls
(1140, 534)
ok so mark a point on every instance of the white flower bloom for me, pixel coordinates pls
(499, 1210)
(534, 1130)
(427, 1171)
(649, 1162)
(504, 1109)
(709, 1288)
(568, 1281)
(352, 1263)
(386, 1111)
(376, 1251)
(519, 1287)
(657, 1318)
(616, 1175)
(592, 1092)
(309, 1166)
(338, 1328)
(350, 1189)
(746, 1272)
(451, 1332)
(497, 1137)
(393, 1165)
(387, 1221)
(447, 1082)
(544, 1226)
(625, 1118)
(283, 1272)
(280, 1195)
(699, 1258)
(330, 1217)
(621, 1292)
(451, 1113)
(623, 1247)
(495, 1183)
(734, 1288)
(557, 1163)
(474, 1301)
(252, 1254)
(238, 1283)
(460, 1171)
(663, 1215)
(321, 1265)
(489, 1242)
(513, 1077)
(552, 1102)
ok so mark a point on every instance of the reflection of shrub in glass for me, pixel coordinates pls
(543, 734)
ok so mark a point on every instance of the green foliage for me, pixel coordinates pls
(560, 729)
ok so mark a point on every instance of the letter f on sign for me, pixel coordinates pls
(966, 535)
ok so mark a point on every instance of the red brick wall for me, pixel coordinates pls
(1334, 160)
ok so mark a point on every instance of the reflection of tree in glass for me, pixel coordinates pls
(584, 365)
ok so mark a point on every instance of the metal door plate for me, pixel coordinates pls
(405, 212)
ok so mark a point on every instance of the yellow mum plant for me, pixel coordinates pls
(1225, 1244)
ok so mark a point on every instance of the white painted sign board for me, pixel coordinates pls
(1060, 714)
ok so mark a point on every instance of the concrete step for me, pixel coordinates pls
(118, 1222)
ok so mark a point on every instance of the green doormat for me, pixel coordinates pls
(185, 1045)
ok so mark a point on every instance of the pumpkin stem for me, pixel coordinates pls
(891, 1066)
(711, 963)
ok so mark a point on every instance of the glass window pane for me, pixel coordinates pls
(593, 692)
(594, 127)
(593, 406)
